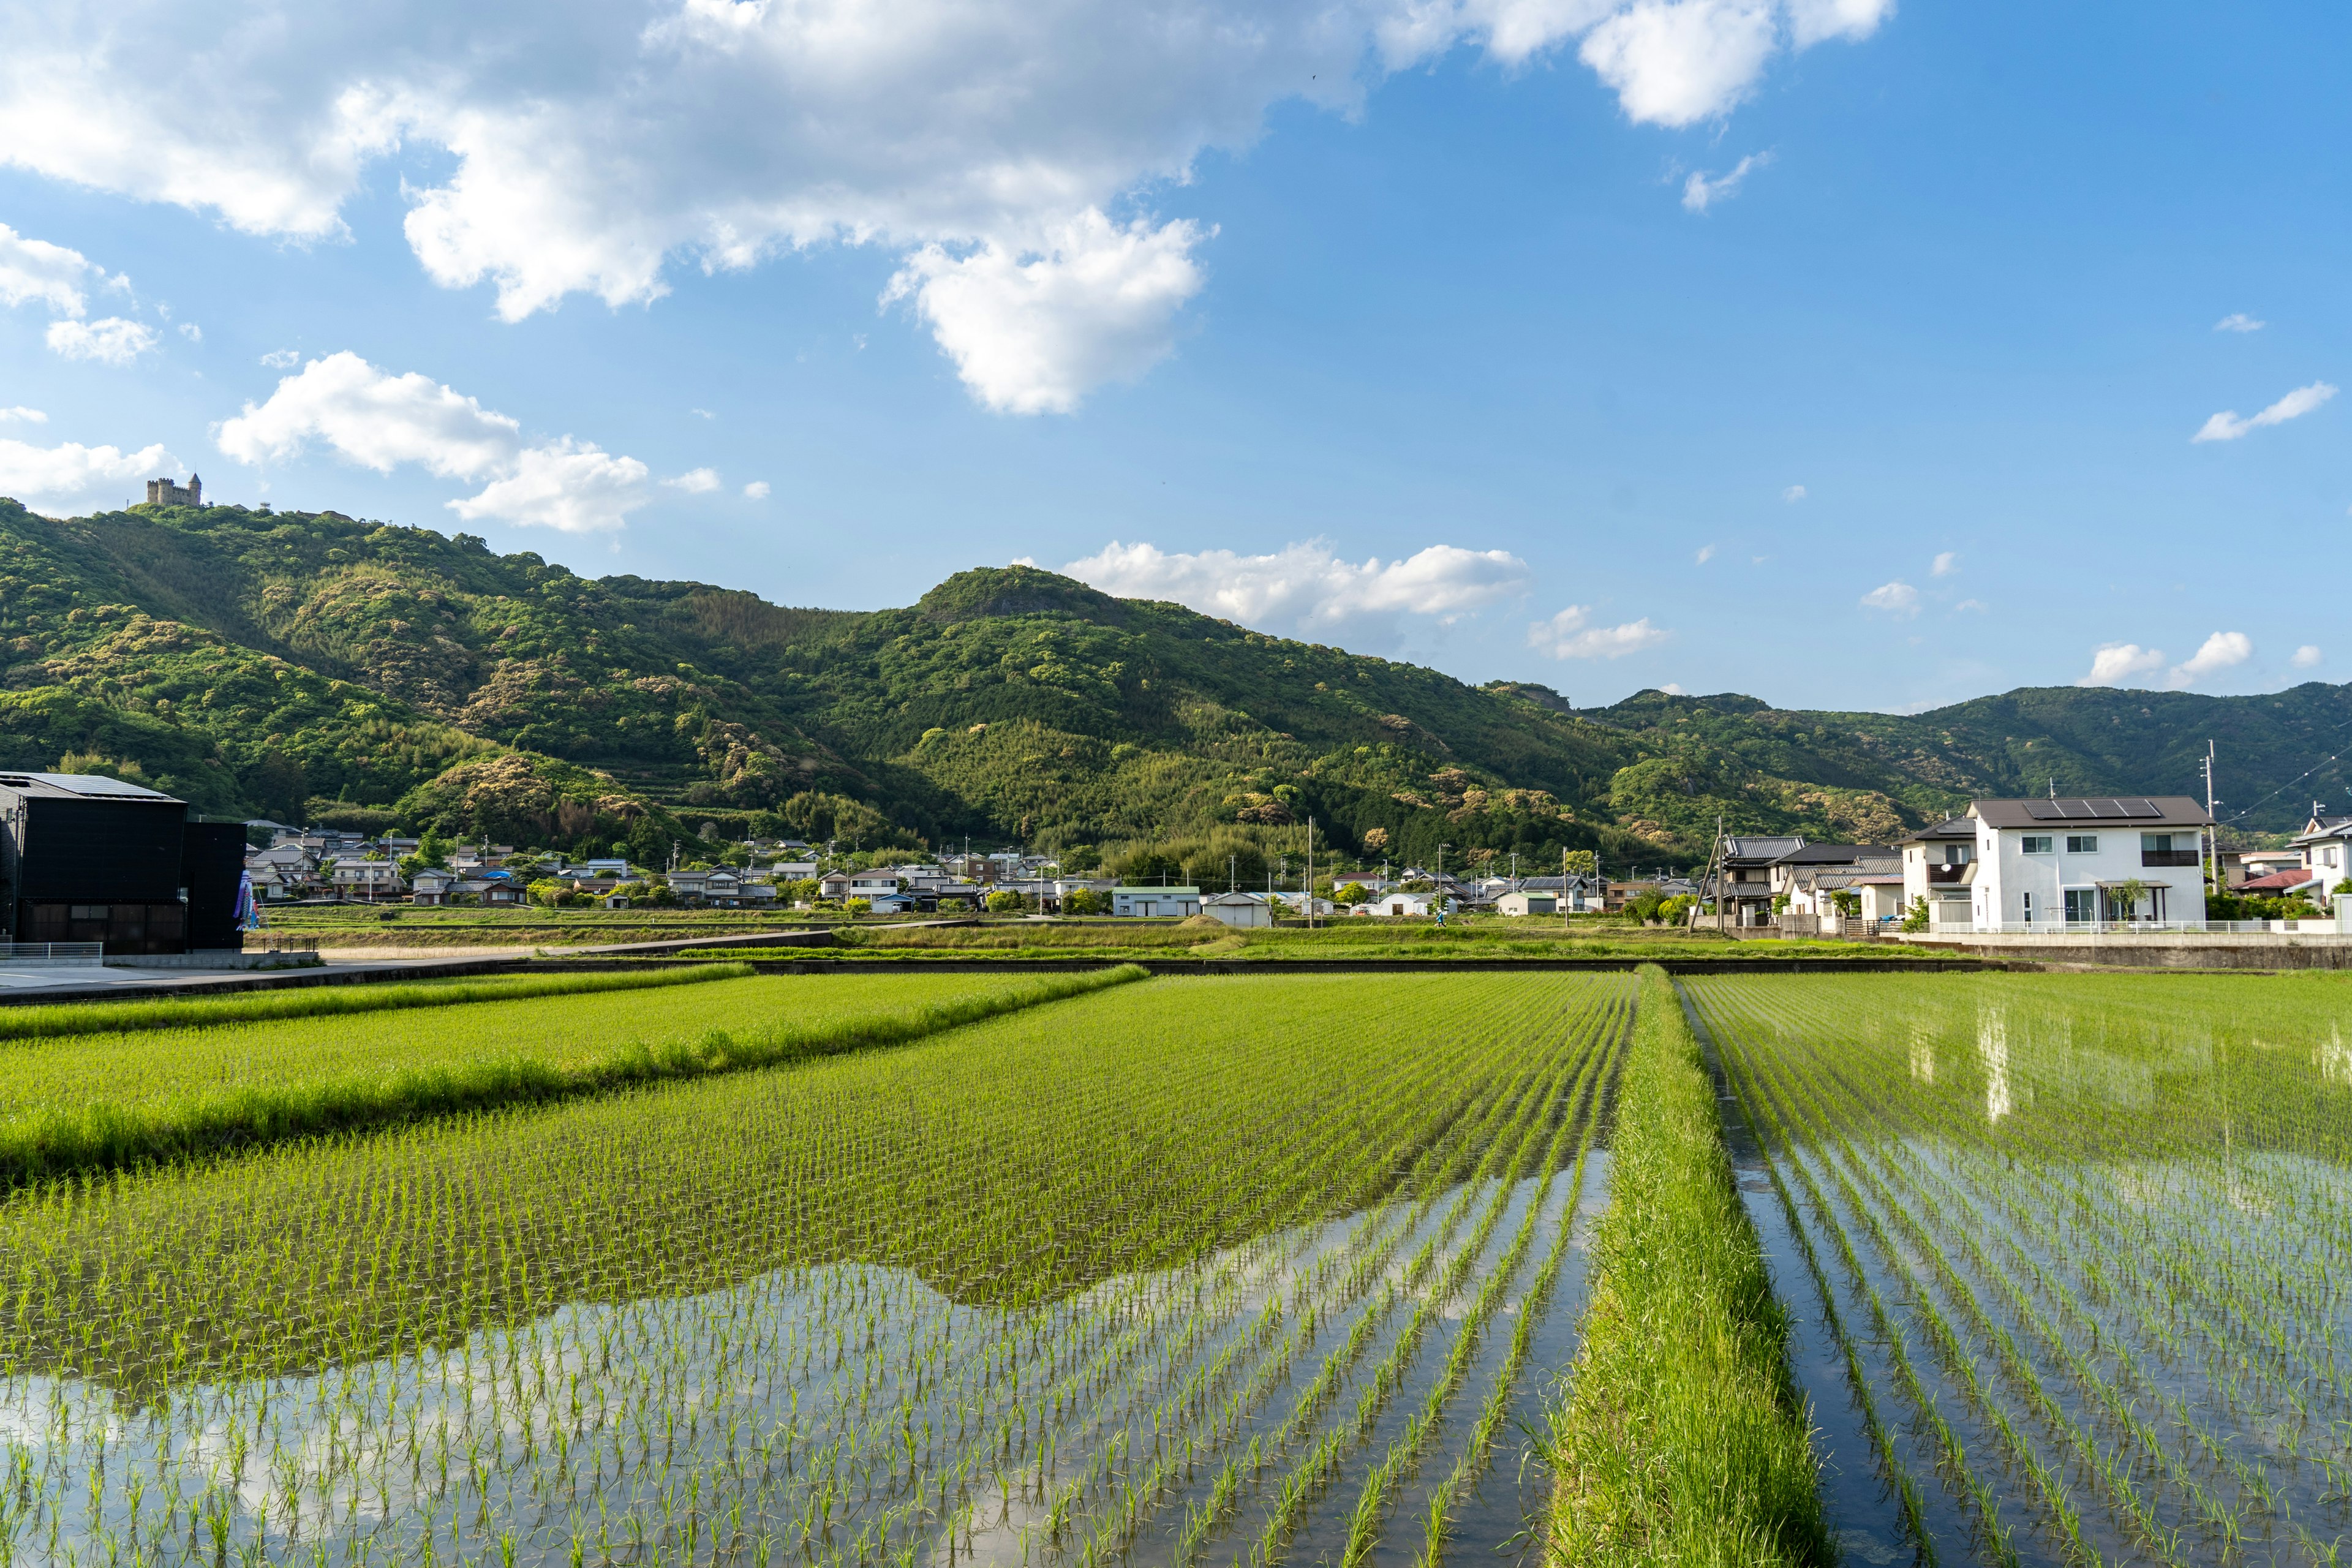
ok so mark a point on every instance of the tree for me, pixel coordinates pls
(857, 906)
(1353, 893)
(1005, 901)
(2126, 896)
(1847, 901)
(1084, 901)
(1916, 917)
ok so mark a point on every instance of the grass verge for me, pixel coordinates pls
(106, 1136)
(309, 1001)
(1684, 1440)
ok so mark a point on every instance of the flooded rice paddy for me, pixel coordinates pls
(2083, 1245)
(1194, 1271)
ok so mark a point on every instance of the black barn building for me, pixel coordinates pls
(86, 858)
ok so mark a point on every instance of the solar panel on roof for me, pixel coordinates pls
(2106, 808)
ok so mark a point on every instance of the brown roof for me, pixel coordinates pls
(2277, 881)
(2092, 811)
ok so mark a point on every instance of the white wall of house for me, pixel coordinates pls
(2054, 871)
(1882, 900)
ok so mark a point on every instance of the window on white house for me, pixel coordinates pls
(2082, 844)
(2156, 843)
(2029, 901)
(2037, 844)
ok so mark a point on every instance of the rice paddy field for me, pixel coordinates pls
(1188, 1270)
(2084, 1244)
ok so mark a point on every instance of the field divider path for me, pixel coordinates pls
(106, 1136)
(1691, 1445)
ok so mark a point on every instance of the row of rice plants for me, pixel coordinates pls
(96, 1101)
(1014, 1289)
(1687, 1443)
(46, 1021)
(2103, 1234)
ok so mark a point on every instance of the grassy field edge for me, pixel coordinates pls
(1683, 1440)
(109, 1018)
(106, 1136)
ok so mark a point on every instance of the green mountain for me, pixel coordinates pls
(311, 664)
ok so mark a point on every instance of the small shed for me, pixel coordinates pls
(1398, 903)
(1156, 903)
(1244, 910)
(1526, 904)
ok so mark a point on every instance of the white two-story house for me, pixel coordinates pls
(2061, 862)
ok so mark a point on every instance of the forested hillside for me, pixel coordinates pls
(312, 666)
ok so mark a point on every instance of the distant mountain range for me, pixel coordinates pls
(312, 666)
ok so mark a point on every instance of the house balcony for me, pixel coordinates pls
(2170, 857)
(1938, 876)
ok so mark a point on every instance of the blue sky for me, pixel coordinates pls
(1408, 330)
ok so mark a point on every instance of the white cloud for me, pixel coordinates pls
(1674, 688)
(1570, 635)
(576, 487)
(112, 341)
(2114, 663)
(1897, 597)
(756, 491)
(1793, 494)
(1706, 554)
(590, 148)
(1305, 585)
(193, 332)
(2306, 657)
(281, 359)
(72, 469)
(1812, 22)
(1032, 330)
(2227, 426)
(376, 419)
(696, 481)
(29, 415)
(2239, 321)
(1978, 605)
(1676, 62)
(1946, 563)
(381, 420)
(702, 414)
(2221, 651)
(34, 270)
(1699, 193)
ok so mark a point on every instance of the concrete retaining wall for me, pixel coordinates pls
(2181, 950)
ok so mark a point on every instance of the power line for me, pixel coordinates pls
(2291, 782)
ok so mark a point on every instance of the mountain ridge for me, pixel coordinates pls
(285, 664)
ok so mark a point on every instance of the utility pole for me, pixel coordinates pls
(2213, 827)
(1309, 887)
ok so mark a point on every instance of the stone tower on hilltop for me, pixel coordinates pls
(163, 492)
